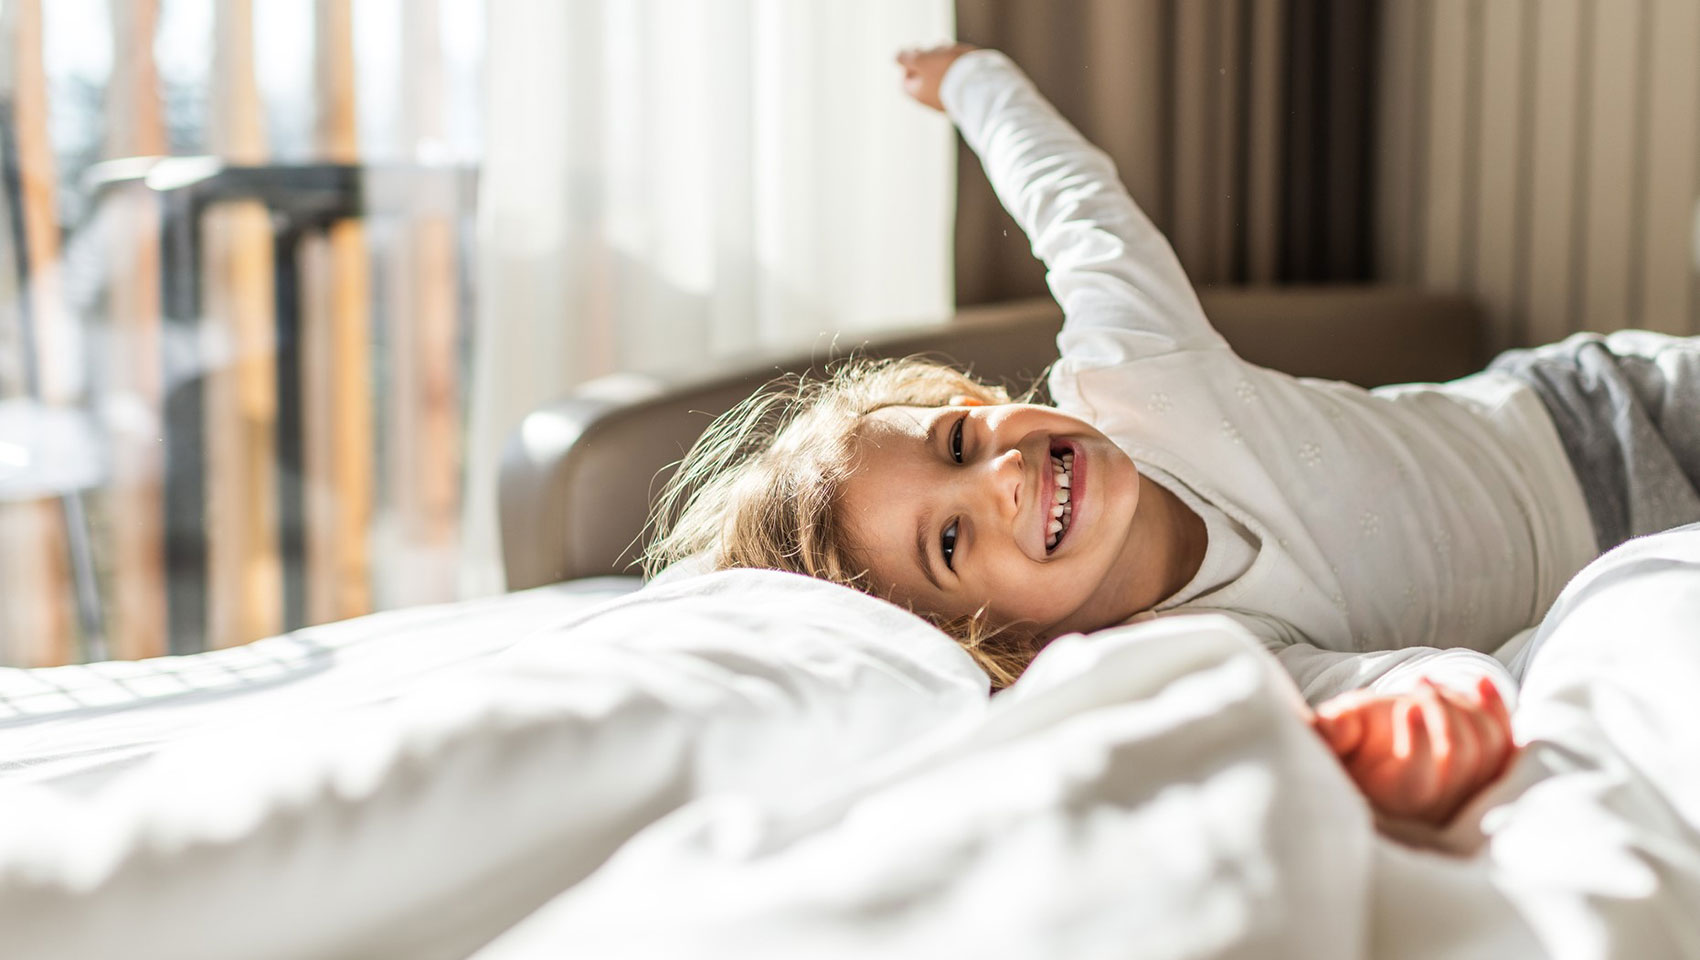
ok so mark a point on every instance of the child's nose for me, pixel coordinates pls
(1008, 478)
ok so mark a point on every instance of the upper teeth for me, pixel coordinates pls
(1062, 510)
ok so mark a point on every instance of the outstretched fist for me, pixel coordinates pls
(923, 70)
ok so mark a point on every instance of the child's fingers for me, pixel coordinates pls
(1463, 765)
(1345, 702)
(1488, 693)
(1408, 735)
(1489, 715)
(1436, 721)
(1495, 748)
(1341, 732)
(1498, 718)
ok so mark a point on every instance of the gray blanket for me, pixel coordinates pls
(1627, 409)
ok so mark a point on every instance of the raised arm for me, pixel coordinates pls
(1120, 285)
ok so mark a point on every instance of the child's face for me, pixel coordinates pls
(977, 483)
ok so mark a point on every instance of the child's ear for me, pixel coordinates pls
(963, 400)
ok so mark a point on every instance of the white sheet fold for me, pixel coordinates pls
(1591, 845)
(1152, 791)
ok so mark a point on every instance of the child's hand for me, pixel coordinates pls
(923, 70)
(1420, 755)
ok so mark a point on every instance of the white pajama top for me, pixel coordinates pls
(1404, 520)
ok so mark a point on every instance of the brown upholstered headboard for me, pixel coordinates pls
(578, 474)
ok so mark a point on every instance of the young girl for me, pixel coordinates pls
(1371, 538)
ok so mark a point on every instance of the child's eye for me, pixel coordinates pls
(947, 543)
(956, 440)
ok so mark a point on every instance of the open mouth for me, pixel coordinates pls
(1062, 506)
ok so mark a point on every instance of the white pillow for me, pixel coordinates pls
(425, 825)
(694, 565)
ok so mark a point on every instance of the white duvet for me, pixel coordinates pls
(781, 768)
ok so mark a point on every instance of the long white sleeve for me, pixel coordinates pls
(1121, 288)
(1324, 674)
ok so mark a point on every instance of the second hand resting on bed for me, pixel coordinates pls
(1420, 756)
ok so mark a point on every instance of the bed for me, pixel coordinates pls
(752, 764)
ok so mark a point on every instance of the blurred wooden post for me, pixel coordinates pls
(338, 382)
(130, 222)
(244, 574)
(424, 435)
(37, 576)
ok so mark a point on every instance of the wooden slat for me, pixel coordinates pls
(1580, 122)
(135, 127)
(352, 435)
(1613, 154)
(1264, 121)
(38, 571)
(1344, 167)
(1398, 142)
(1302, 235)
(1554, 212)
(1502, 158)
(244, 571)
(1190, 230)
(1673, 159)
(1446, 146)
(348, 375)
(1229, 142)
(1125, 59)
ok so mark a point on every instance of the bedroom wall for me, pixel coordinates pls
(1242, 127)
(1544, 156)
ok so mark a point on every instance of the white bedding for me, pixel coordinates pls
(420, 818)
(75, 727)
(1149, 792)
(788, 769)
(1152, 791)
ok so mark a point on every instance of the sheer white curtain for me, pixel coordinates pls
(668, 180)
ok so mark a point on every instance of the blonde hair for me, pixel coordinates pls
(761, 487)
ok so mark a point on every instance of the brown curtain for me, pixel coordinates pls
(1241, 126)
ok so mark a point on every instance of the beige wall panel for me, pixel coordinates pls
(1667, 269)
(1445, 173)
(1498, 209)
(1614, 154)
(1554, 217)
